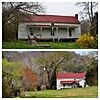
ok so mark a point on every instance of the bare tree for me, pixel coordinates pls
(92, 71)
(87, 15)
(13, 12)
(88, 9)
(51, 62)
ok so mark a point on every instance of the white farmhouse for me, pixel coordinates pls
(70, 80)
(49, 27)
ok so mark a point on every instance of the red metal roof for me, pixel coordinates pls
(72, 81)
(53, 18)
(70, 75)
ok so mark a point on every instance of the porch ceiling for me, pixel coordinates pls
(49, 26)
(72, 81)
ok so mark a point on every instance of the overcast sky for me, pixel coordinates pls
(82, 52)
(61, 8)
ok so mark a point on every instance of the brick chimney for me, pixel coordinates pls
(76, 15)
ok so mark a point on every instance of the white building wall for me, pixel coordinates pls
(82, 83)
(23, 31)
(77, 32)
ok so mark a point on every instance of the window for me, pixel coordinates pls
(34, 31)
(70, 32)
(22, 28)
(64, 85)
(31, 31)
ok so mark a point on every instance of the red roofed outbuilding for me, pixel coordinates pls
(70, 80)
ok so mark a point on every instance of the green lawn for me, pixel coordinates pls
(89, 92)
(52, 45)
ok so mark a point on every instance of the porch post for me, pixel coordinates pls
(52, 34)
(57, 33)
(41, 31)
(52, 29)
(68, 31)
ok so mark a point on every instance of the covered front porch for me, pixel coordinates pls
(54, 33)
(69, 84)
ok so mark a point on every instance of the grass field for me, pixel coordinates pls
(52, 45)
(89, 92)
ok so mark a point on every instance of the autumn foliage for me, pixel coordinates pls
(29, 79)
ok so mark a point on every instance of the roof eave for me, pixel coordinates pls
(51, 22)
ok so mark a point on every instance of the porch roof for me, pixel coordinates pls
(71, 81)
(49, 26)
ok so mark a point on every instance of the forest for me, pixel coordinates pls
(35, 70)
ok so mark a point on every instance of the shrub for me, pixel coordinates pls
(87, 41)
(39, 88)
(96, 41)
(6, 86)
(92, 76)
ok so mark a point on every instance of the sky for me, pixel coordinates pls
(82, 52)
(61, 8)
